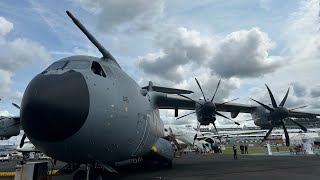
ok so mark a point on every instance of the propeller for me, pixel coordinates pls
(208, 108)
(15, 105)
(278, 114)
(22, 140)
(208, 105)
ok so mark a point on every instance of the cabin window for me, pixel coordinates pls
(78, 65)
(56, 65)
(97, 69)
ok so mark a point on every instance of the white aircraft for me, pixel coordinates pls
(27, 147)
(186, 133)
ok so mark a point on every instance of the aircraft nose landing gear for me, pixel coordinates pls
(96, 171)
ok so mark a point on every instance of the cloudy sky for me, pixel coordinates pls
(170, 42)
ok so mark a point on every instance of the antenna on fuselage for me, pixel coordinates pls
(106, 54)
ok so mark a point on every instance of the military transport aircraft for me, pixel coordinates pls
(87, 110)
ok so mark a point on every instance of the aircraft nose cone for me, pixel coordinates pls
(55, 106)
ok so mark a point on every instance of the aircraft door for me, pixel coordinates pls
(142, 132)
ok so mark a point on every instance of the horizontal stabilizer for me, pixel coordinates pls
(168, 90)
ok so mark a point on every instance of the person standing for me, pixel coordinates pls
(234, 152)
(242, 149)
(246, 149)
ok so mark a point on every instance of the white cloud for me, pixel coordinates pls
(241, 54)
(124, 15)
(5, 26)
(244, 53)
(5, 113)
(20, 52)
(303, 31)
(15, 54)
(179, 47)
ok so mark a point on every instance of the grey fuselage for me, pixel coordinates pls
(111, 120)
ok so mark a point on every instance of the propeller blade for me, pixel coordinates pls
(215, 128)
(297, 108)
(274, 103)
(265, 106)
(205, 100)
(216, 90)
(298, 124)
(286, 134)
(267, 135)
(195, 137)
(190, 99)
(284, 99)
(186, 115)
(22, 140)
(15, 105)
(227, 102)
(219, 114)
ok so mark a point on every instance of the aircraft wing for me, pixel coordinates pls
(300, 114)
(174, 101)
(235, 107)
(245, 132)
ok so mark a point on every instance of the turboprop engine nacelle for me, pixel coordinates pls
(9, 127)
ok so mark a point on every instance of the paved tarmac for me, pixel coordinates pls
(220, 166)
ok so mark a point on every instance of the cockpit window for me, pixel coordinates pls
(78, 65)
(97, 69)
(108, 71)
(56, 65)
